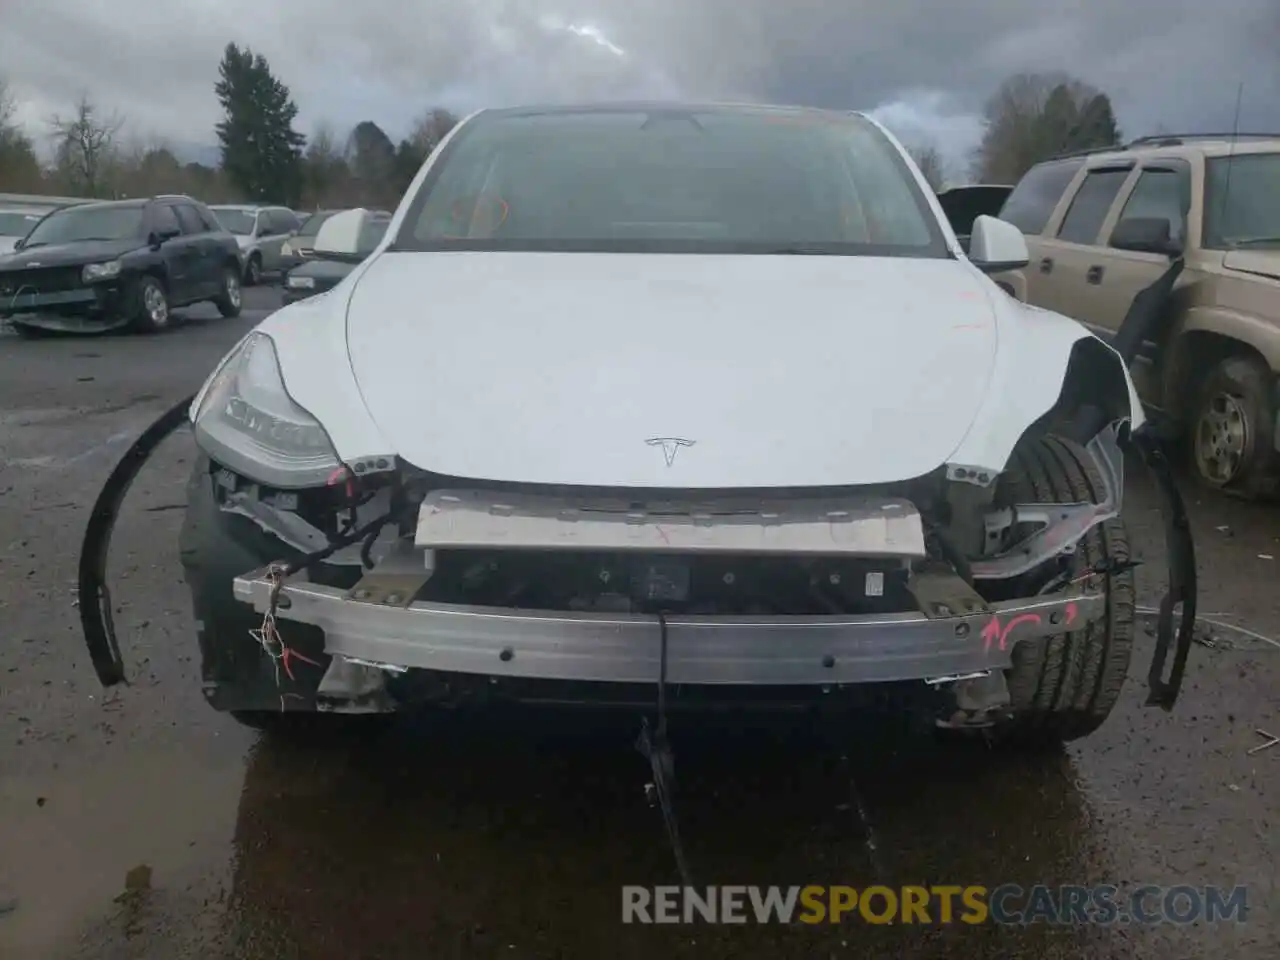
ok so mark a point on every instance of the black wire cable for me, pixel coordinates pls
(656, 749)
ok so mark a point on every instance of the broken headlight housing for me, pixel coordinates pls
(246, 421)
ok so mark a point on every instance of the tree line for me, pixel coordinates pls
(265, 159)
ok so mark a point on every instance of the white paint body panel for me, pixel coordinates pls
(787, 371)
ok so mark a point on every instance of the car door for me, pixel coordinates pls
(205, 276)
(1161, 190)
(1064, 278)
(179, 256)
(273, 221)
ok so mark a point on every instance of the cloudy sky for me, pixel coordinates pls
(924, 66)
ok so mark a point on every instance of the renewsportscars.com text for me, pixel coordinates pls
(1007, 904)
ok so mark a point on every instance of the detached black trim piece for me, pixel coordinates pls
(1181, 553)
(95, 597)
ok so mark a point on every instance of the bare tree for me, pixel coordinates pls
(1032, 116)
(84, 145)
(19, 167)
(929, 160)
(8, 107)
(430, 129)
(325, 170)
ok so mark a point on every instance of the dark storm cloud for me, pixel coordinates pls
(924, 65)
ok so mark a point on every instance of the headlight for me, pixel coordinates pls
(247, 421)
(302, 283)
(100, 271)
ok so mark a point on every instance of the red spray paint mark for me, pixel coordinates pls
(1072, 610)
(994, 633)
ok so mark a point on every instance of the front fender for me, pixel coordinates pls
(1042, 358)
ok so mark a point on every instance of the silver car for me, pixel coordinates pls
(261, 233)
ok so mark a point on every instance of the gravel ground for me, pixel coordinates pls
(140, 824)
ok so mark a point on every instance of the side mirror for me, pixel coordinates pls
(1145, 235)
(261, 230)
(339, 236)
(997, 245)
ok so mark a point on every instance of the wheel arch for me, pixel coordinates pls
(1194, 353)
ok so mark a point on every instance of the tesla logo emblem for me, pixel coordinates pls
(670, 446)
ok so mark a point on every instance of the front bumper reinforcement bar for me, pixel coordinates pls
(749, 650)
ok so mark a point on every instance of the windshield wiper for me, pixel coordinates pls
(1253, 241)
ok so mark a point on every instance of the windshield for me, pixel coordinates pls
(240, 222)
(88, 223)
(17, 224)
(735, 180)
(311, 226)
(1242, 209)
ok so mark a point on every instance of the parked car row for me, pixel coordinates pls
(101, 266)
(104, 265)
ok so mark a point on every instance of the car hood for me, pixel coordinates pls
(69, 254)
(245, 242)
(575, 368)
(1265, 263)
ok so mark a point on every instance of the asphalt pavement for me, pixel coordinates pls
(138, 823)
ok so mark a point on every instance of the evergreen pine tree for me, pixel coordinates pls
(261, 151)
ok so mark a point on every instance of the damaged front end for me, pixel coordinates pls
(369, 593)
(368, 584)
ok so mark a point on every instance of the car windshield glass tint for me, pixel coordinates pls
(17, 224)
(748, 180)
(311, 226)
(88, 223)
(237, 221)
(1242, 202)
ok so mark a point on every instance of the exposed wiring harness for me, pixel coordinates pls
(653, 744)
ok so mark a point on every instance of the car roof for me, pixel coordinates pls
(663, 106)
(99, 204)
(1177, 145)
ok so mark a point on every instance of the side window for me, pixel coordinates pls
(163, 219)
(207, 219)
(188, 218)
(1031, 203)
(1090, 205)
(1161, 194)
(281, 222)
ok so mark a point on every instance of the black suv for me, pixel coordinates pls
(101, 266)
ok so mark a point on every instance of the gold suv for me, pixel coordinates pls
(1103, 225)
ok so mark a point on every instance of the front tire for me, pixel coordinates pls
(230, 300)
(151, 306)
(1231, 429)
(1064, 687)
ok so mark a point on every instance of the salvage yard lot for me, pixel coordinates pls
(141, 824)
